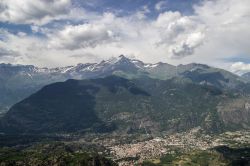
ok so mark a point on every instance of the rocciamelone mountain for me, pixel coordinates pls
(19, 81)
(127, 96)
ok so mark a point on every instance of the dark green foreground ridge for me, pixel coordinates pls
(50, 155)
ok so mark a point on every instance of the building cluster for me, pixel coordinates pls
(128, 154)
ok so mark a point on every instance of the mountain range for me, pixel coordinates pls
(122, 95)
(19, 81)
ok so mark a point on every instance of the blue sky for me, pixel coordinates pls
(121, 8)
(130, 6)
(66, 32)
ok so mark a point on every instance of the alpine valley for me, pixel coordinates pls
(124, 112)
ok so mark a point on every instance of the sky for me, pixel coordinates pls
(54, 33)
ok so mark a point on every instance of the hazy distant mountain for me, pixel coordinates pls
(204, 74)
(19, 81)
(246, 76)
(115, 104)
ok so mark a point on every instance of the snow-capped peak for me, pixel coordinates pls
(114, 60)
(106, 66)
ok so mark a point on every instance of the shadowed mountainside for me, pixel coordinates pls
(143, 105)
(19, 81)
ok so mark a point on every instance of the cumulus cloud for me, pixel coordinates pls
(7, 53)
(228, 28)
(142, 13)
(33, 11)
(81, 36)
(180, 34)
(216, 30)
(188, 45)
(4, 50)
(160, 5)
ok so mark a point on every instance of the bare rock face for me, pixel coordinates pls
(235, 113)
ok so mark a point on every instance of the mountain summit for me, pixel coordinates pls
(19, 81)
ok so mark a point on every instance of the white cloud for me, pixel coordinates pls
(160, 5)
(81, 36)
(7, 53)
(217, 30)
(180, 34)
(166, 18)
(142, 13)
(240, 67)
(188, 45)
(33, 11)
(228, 28)
(4, 50)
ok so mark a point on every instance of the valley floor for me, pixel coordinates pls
(172, 144)
(193, 147)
